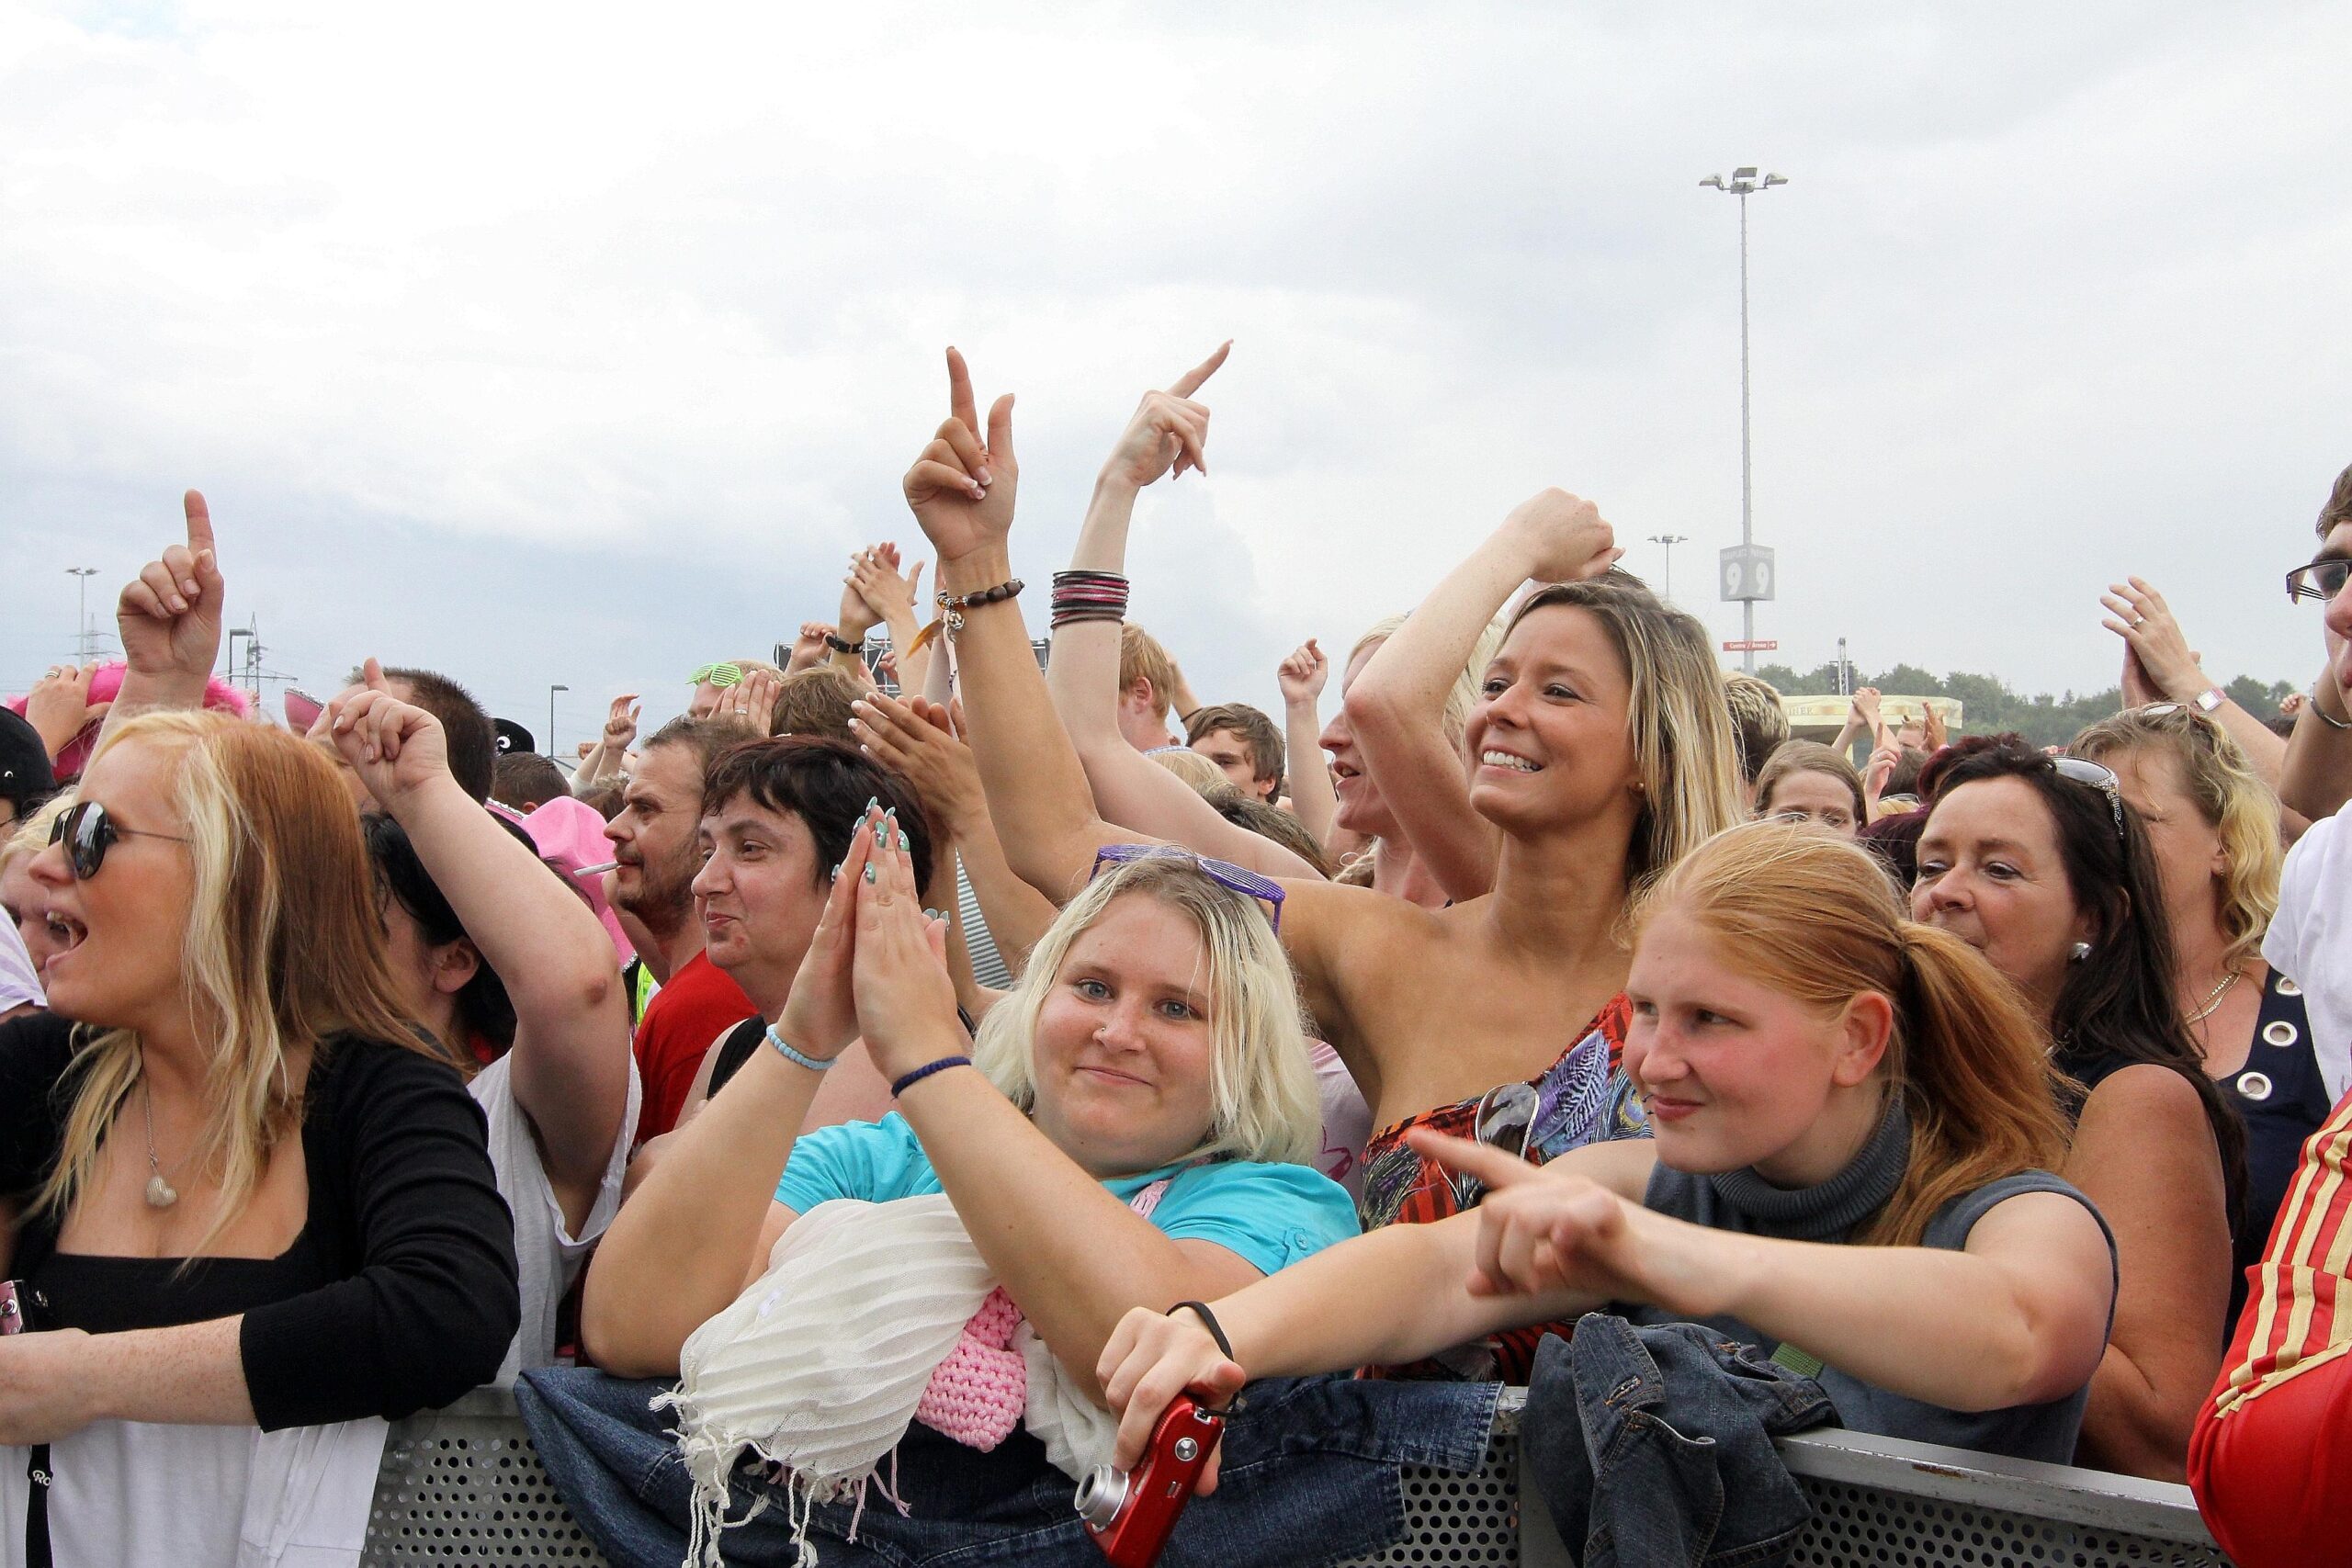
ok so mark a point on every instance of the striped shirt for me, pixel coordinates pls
(2291, 1322)
(988, 967)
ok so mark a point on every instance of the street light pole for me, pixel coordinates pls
(1666, 576)
(1744, 184)
(551, 692)
(82, 639)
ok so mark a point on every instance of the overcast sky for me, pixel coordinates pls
(581, 345)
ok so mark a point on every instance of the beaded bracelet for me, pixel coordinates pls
(941, 1065)
(953, 605)
(789, 1055)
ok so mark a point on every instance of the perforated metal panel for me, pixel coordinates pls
(1869, 1526)
(458, 1487)
(1451, 1519)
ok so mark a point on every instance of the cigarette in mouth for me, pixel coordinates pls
(596, 870)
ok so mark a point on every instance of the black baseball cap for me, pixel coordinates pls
(512, 736)
(26, 779)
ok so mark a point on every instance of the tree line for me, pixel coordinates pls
(1990, 706)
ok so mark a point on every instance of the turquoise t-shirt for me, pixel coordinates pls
(1268, 1215)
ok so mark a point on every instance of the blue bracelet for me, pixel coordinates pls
(925, 1071)
(789, 1055)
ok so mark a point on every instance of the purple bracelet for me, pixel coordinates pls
(925, 1071)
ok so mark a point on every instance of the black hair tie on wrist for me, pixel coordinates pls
(1216, 1330)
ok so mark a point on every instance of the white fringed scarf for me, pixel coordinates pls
(818, 1367)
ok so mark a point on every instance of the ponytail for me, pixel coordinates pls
(1975, 1076)
(1814, 918)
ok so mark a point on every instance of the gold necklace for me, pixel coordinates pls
(2214, 997)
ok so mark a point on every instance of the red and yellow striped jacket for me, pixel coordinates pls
(2291, 1322)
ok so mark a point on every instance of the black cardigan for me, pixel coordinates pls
(399, 1292)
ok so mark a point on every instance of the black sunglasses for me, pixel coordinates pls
(2322, 579)
(88, 836)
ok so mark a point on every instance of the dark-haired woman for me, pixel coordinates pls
(510, 969)
(2041, 865)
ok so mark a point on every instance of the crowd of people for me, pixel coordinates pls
(852, 1112)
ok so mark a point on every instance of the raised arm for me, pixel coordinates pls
(2168, 671)
(169, 617)
(571, 1059)
(2315, 775)
(1168, 434)
(874, 573)
(1302, 676)
(1396, 705)
(603, 758)
(1075, 1258)
(915, 739)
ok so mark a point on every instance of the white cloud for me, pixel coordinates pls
(579, 344)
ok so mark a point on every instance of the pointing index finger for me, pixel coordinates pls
(959, 392)
(199, 522)
(1490, 1164)
(1190, 381)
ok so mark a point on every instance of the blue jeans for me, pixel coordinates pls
(1652, 1446)
(1310, 1473)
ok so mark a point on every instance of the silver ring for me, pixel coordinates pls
(2139, 621)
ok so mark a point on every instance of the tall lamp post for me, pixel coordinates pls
(82, 639)
(551, 692)
(1748, 576)
(1666, 576)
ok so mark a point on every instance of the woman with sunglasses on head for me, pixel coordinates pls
(1854, 1129)
(2037, 862)
(1153, 1042)
(251, 1194)
(1605, 754)
(2213, 827)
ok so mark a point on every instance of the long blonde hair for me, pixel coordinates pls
(284, 948)
(2235, 803)
(1816, 920)
(1676, 717)
(1460, 697)
(1261, 1085)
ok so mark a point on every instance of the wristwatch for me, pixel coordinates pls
(2210, 699)
(842, 645)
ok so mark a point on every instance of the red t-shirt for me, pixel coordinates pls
(701, 1002)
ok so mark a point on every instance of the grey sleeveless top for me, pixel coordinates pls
(1741, 1200)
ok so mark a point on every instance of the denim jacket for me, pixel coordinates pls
(1653, 1447)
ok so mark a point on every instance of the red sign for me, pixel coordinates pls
(1752, 647)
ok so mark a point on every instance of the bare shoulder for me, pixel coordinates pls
(2142, 1099)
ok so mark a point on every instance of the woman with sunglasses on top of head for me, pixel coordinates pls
(1153, 1041)
(2038, 864)
(2213, 828)
(1605, 754)
(1854, 1130)
(254, 1198)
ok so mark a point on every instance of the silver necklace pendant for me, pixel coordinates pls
(160, 1194)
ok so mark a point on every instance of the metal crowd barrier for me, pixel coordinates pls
(465, 1486)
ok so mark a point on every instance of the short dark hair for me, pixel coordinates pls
(485, 1011)
(606, 797)
(816, 700)
(826, 783)
(526, 781)
(472, 742)
(1258, 734)
(708, 738)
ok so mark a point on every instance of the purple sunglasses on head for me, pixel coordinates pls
(1242, 879)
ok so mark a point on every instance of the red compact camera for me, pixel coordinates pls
(22, 1308)
(1130, 1512)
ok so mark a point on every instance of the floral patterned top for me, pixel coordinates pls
(1582, 1098)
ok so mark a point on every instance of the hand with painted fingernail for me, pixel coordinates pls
(960, 490)
(906, 1002)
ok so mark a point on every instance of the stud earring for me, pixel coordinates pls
(2080, 951)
